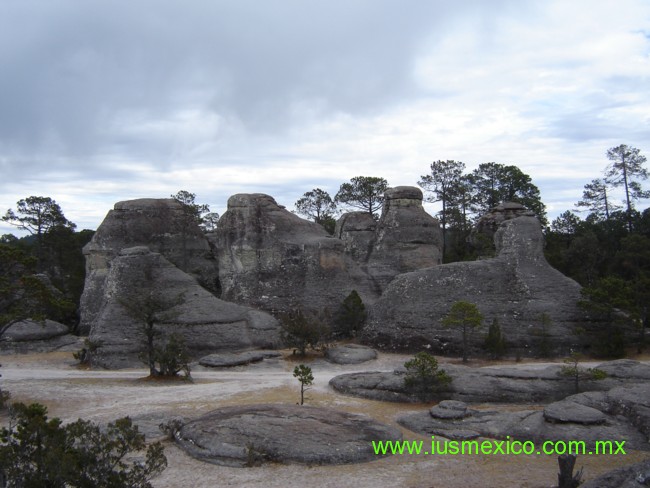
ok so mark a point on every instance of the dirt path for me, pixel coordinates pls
(102, 396)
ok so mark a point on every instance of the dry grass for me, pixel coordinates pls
(102, 396)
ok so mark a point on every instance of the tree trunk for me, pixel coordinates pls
(565, 477)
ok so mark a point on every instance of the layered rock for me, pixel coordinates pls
(272, 259)
(516, 287)
(575, 417)
(163, 226)
(140, 281)
(406, 239)
(254, 434)
(33, 336)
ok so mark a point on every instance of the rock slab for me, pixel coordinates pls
(222, 360)
(350, 354)
(244, 435)
(516, 287)
(138, 280)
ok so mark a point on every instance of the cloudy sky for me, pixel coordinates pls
(107, 101)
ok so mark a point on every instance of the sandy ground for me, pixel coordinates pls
(102, 396)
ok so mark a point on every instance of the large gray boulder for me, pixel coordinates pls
(160, 224)
(511, 385)
(574, 418)
(29, 336)
(245, 435)
(139, 279)
(633, 476)
(406, 239)
(272, 259)
(516, 287)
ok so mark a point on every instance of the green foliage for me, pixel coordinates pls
(351, 315)
(37, 215)
(577, 373)
(192, 210)
(210, 221)
(302, 331)
(305, 377)
(495, 343)
(149, 308)
(423, 376)
(85, 354)
(39, 452)
(466, 317)
(363, 192)
(493, 183)
(444, 185)
(173, 357)
(317, 205)
(24, 294)
(608, 301)
(626, 164)
(596, 200)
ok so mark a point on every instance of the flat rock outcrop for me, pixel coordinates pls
(570, 420)
(500, 385)
(633, 476)
(160, 224)
(230, 359)
(516, 287)
(34, 336)
(244, 435)
(272, 259)
(143, 281)
(350, 354)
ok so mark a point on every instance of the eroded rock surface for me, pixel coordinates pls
(34, 336)
(633, 476)
(162, 226)
(272, 259)
(244, 435)
(230, 359)
(516, 287)
(406, 239)
(500, 385)
(566, 420)
(139, 278)
(350, 354)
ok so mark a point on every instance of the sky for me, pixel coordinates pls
(108, 101)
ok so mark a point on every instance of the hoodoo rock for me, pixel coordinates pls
(164, 226)
(143, 282)
(272, 259)
(516, 287)
(406, 239)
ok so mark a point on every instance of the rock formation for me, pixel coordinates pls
(139, 280)
(251, 434)
(33, 336)
(406, 239)
(494, 384)
(589, 417)
(160, 224)
(272, 259)
(516, 287)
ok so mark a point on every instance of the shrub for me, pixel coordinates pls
(423, 376)
(36, 451)
(577, 373)
(351, 315)
(495, 343)
(304, 375)
(301, 331)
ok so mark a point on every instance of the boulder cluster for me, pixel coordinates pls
(223, 291)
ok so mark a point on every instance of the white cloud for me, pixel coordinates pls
(225, 98)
